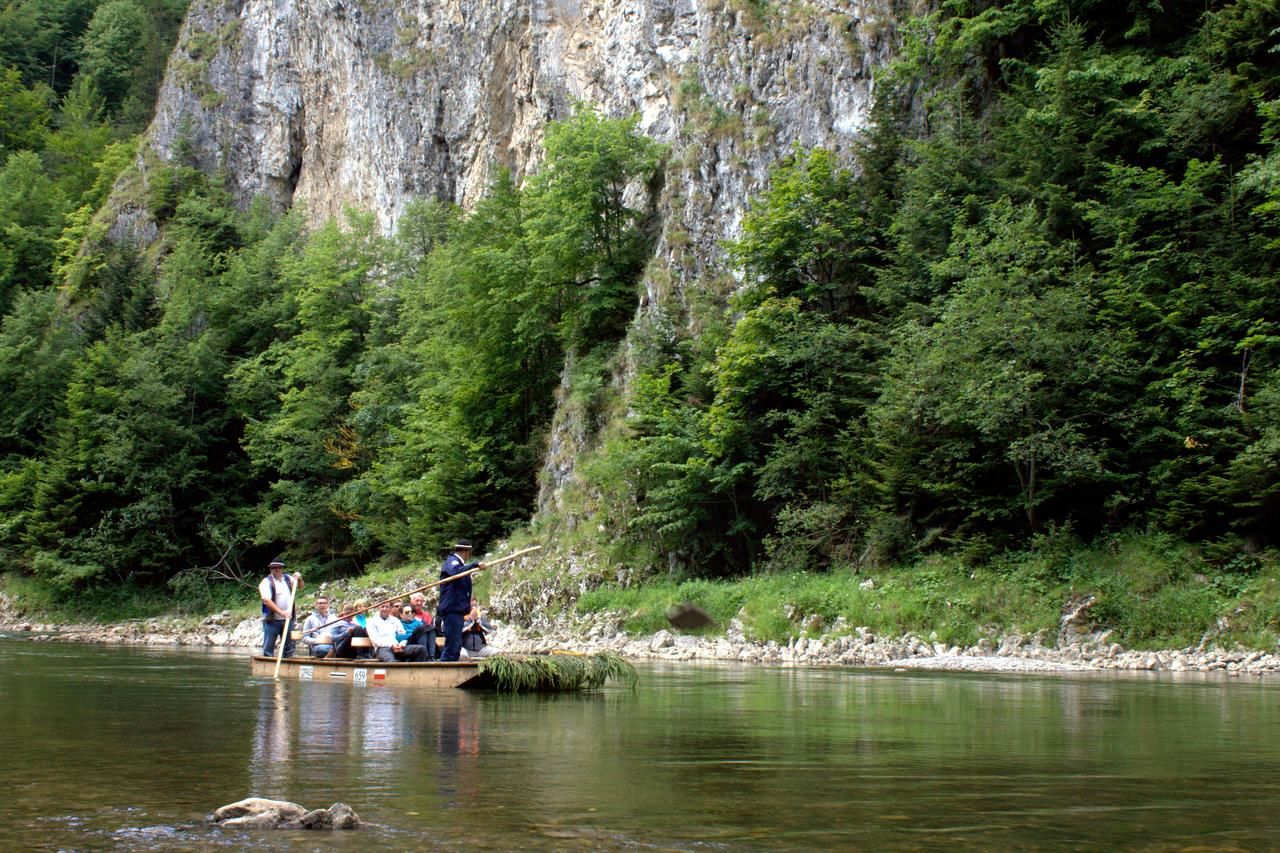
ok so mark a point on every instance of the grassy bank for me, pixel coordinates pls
(190, 596)
(1151, 592)
(108, 604)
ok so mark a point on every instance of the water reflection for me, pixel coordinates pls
(310, 735)
(457, 741)
(272, 740)
(728, 757)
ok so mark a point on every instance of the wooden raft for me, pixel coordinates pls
(372, 673)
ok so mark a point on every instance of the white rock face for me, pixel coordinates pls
(336, 103)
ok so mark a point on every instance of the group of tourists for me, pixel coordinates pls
(398, 631)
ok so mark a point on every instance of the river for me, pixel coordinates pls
(130, 749)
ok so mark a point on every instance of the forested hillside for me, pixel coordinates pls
(1043, 300)
(1046, 297)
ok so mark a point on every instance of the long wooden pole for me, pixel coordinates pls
(478, 568)
(284, 638)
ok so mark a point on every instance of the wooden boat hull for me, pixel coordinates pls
(370, 673)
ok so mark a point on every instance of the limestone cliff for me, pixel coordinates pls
(337, 103)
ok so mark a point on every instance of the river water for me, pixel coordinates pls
(130, 749)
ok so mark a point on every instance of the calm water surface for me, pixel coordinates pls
(130, 749)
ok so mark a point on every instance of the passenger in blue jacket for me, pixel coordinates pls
(411, 624)
(455, 598)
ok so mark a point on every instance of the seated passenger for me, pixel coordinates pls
(319, 634)
(383, 629)
(353, 615)
(474, 629)
(426, 634)
(360, 609)
(412, 624)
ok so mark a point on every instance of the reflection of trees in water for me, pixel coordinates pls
(554, 752)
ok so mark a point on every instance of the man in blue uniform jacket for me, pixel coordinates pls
(455, 598)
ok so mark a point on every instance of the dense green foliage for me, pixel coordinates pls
(1049, 301)
(116, 47)
(1041, 306)
(248, 386)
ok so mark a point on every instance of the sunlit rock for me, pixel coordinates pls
(262, 813)
(661, 640)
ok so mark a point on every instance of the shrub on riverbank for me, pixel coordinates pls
(108, 604)
(1151, 592)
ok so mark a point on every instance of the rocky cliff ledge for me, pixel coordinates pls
(336, 103)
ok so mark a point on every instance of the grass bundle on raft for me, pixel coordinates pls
(558, 671)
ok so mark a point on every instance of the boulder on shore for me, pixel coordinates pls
(261, 813)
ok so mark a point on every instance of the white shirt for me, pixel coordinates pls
(278, 591)
(382, 632)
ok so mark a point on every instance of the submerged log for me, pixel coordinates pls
(261, 813)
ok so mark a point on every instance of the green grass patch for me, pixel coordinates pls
(104, 603)
(558, 672)
(941, 596)
(1152, 592)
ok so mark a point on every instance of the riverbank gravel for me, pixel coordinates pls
(843, 646)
